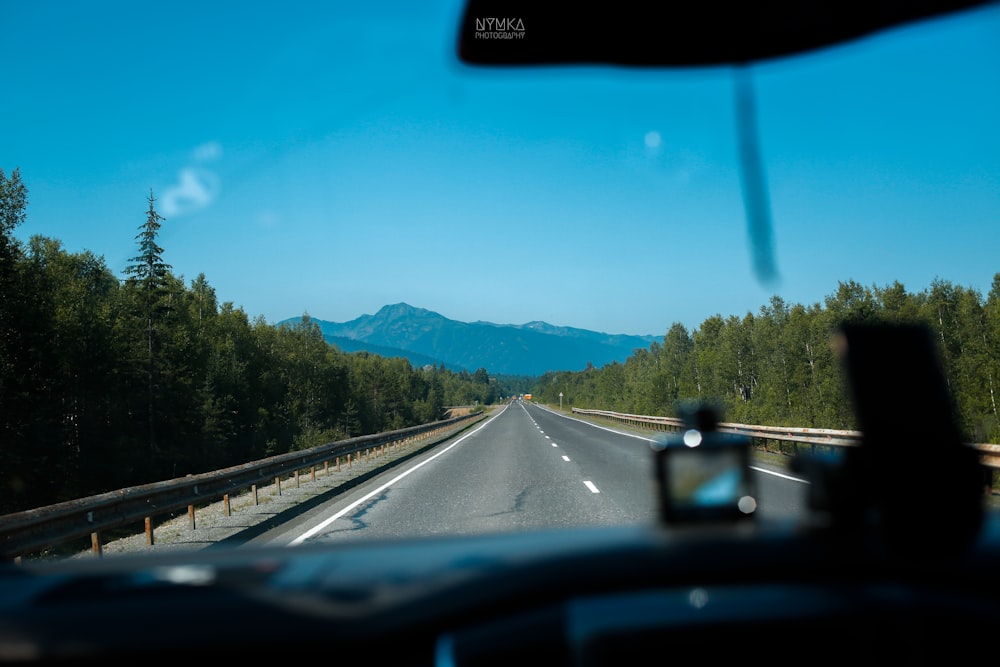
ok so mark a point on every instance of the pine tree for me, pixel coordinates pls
(148, 268)
(149, 274)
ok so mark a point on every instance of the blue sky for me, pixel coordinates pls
(324, 158)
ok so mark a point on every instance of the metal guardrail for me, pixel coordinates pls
(989, 453)
(34, 530)
(814, 436)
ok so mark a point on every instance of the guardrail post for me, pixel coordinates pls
(326, 468)
(312, 473)
(253, 491)
(225, 505)
(277, 485)
(149, 531)
(296, 479)
(95, 544)
(191, 516)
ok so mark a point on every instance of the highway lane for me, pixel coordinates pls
(619, 465)
(525, 468)
(622, 461)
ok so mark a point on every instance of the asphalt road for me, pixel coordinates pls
(526, 467)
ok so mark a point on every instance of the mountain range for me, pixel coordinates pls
(425, 337)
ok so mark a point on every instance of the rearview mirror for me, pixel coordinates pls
(675, 34)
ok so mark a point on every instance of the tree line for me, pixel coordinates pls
(108, 382)
(778, 367)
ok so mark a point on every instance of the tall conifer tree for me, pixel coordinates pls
(149, 273)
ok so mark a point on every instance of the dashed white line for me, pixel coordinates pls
(639, 437)
(590, 485)
(566, 458)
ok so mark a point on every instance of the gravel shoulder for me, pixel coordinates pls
(213, 526)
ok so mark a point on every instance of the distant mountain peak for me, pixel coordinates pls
(527, 349)
(402, 309)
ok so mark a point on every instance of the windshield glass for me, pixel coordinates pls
(231, 232)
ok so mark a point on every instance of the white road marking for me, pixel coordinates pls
(603, 428)
(316, 529)
(591, 486)
(639, 437)
(778, 474)
(566, 458)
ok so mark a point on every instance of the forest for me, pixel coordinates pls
(109, 382)
(778, 366)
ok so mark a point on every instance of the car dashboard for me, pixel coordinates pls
(595, 596)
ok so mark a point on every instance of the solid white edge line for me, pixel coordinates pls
(315, 529)
(778, 474)
(603, 428)
(632, 435)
